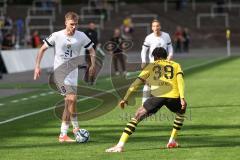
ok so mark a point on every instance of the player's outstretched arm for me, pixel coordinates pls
(180, 82)
(37, 70)
(134, 86)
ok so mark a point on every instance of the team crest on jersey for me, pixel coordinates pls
(159, 45)
(68, 46)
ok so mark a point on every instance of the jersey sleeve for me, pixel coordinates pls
(169, 46)
(180, 81)
(146, 42)
(145, 72)
(145, 48)
(50, 40)
(87, 43)
(179, 69)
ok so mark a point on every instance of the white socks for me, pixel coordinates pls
(64, 128)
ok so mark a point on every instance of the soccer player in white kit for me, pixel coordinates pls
(157, 38)
(68, 43)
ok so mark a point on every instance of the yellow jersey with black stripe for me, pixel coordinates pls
(165, 78)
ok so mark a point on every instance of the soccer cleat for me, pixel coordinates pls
(114, 149)
(172, 144)
(65, 138)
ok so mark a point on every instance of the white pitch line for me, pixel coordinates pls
(26, 115)
(33, 97)
(50, 108)
(2, 104)
(111, 90)
(51, 92)
(24, 99)
(15, 101)
(43, 94)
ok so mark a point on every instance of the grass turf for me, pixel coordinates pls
(211, 130)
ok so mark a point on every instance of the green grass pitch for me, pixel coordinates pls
(210, 132)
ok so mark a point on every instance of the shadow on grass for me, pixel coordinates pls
(152, 134)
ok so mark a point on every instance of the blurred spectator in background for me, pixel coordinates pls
(93, 36)
(186, 40)
(127, 27)
(178, 39)
(1, 23)
(36, 40)
(20, 30)
(100, 8)
(8, 41)
(46, 5)
(117, 53)
(8, 24)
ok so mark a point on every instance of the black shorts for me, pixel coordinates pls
(153, 104)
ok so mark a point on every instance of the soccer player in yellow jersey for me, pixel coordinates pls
(167, 88)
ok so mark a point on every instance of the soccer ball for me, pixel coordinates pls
(82, 136)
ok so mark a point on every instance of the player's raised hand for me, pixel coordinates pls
(122, 104)
(37, 73)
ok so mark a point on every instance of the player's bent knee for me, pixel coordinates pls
(141, 114)
(71, 99)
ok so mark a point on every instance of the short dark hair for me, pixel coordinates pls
(159, 53)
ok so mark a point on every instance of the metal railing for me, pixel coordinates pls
(97, 17)
(228, 6)
(92, 9)
(212, 15)
(154, 16)
(144, 25)
(41, 27)
(49, 11)
(143, 16)
(38, 27)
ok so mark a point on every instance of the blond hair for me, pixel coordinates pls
(157, 21)
(71, 16)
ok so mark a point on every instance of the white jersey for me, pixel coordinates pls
(66, 48)
(152, 41)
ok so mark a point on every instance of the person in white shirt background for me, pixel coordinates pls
(155, 39)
